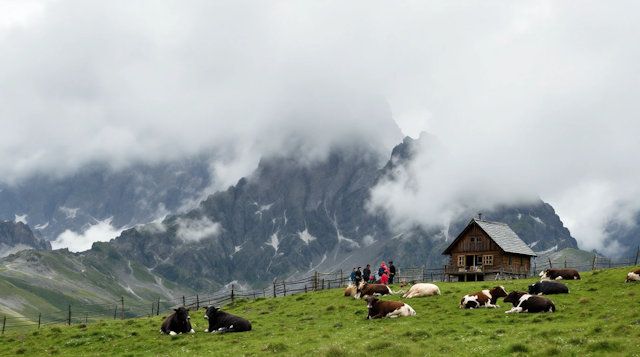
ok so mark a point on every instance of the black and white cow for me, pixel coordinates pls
(548, 287)
(177, 323)
(523, 302)
(220, 321)
(379, 309)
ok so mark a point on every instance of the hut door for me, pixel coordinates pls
(471, 260)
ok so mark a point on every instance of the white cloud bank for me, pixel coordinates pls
(529, 96)
(103, 231)
(192, 230)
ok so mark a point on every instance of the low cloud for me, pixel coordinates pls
(103, 231)
(193, 230)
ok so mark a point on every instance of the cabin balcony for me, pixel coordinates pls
(479, 269)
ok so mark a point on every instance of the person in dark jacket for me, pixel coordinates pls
(392, 272)
(366, 273)
(353, 275)
(382, 269)
(358, 276)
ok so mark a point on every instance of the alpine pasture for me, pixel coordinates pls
(599, 317)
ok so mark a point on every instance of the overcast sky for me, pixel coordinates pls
(529, 98)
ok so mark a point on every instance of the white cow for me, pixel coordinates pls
(422, 289)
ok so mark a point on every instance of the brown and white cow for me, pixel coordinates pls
(523, 302)
(365, 289)
(633, 276)
(484, 298)
(350, 290)
(379, 309)
(422, 289)
(558, 274)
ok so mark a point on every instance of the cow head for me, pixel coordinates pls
(182, 313)
(544, 274)
(533, 289)
(371, 301)
(211, 312)
(362, 284)
(499, 291)
(513, 297)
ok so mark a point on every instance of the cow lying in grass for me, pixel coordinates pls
(548, 287)
(559, 274)
(484, 298)
(365, 290)
(379, 309)
(177, 323)
(523, 302)
(633, 276)
(220, 321)
(350, 290)
(422, 289)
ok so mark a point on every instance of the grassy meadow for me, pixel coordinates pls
(600, 317)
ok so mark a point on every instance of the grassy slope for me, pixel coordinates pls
(600, 316)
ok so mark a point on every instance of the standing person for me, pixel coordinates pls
(366, 273)
(392, 272)
(358, 276)
(384, 279)
(381, 269)
(353, 275)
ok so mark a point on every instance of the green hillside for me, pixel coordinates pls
(600, 317)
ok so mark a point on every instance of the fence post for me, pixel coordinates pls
(4, 323)
(153, 304)
(274, 287)
(637, 253)
(305, 288)
(322, 284)
(340, 285)
(122, 307)
(565, 263)
(69, 321)
(158, 308)
(593, 265)
(115, 312)
(424, 277)
(197, 302)
(184, 303)
(284, 288)
(550, 266)
(39, 318)
(232, 295)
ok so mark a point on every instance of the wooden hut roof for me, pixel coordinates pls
(501, 234)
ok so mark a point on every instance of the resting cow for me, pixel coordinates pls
(633, 276)
(178, 322)
(378, 308)
(484, 298)
(350, 290)
(557, 274)
(365, 289)
(422, 289)
(548, 287)
(523, 302)
(220, 321)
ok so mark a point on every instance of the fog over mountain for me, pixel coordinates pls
(529, 99)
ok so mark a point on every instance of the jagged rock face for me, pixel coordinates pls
(133, 196)
(18, 236)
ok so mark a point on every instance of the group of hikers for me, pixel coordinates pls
(385, 274)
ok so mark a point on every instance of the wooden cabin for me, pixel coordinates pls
(488, 251)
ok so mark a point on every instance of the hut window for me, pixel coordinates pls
(473, 239)
(509, 260)
(488, 260)
(460, 260)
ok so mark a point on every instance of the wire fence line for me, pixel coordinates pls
(122, 309)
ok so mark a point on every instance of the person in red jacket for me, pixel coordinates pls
(384, 279)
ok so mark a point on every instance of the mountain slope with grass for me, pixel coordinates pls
(600, 317)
